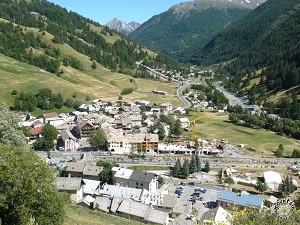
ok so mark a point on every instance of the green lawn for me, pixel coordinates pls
(264, 142)
(77, 215)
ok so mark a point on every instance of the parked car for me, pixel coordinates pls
(191, 183)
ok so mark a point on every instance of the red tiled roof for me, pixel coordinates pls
(50, 115)
(36, 131)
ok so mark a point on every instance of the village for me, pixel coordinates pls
(155, 197)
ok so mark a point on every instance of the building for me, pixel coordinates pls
(143, 180)
(272, 180)
(184, 122)
(140, 212)
(91, 187)
(84, 170)
(228, 200)
(134, 179)
(71, 185)
(69, 141)
(118, 144)
(120, 192)
(84, 129)
(216, 216)
(47, 117)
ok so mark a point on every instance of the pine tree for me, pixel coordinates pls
(185, 172)
(177, 169)
(207, 167)
(193, 165)
(198, 163)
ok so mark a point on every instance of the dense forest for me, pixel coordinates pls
(67, 28)
(259, 55)
(185, 25)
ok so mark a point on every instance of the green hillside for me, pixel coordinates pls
(45, 46)
(187, 24)
(261, 56)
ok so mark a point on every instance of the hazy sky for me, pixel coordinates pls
(103, 11)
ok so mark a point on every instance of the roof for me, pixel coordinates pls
(169, 201)
(133, 208)
(240, 199)
(103, 203)
(122, 173)
(90, 186)
(50, 115)
(115, 204)
(75, 167)
(121, 192)
(87, 200)
(36, 131)
(183, 220)
(183, 207)
(217, 215)
(142, 176)
(184, 120)
(91, 170)
(272, 177)
(66, 134)
(68, 183)
(157, 216)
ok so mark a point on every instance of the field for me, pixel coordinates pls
(147, 168)
(262, 142)
(99, 83)
(77, 215)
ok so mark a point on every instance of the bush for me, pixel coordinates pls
(127, 91)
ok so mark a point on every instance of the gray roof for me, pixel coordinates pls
(183, 207)
(103, 203)
(92, 170)
(133, 208)
(142, 176)
(68, 183)
(169, 201)
(121, 192)
(75, 167)
(157, 216)
(183, 220)
(66, 134)
(115, 204)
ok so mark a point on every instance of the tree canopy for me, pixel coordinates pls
(10, 132)
(97, 138)
(27, 189)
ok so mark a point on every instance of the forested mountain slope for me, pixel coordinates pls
(261, 55)
(67, 53)
(187, 24)
(109, 48)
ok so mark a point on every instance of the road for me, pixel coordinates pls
(186, 103)
(233, 100)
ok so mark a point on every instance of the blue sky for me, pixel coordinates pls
(103, 11)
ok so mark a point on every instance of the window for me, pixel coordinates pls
(137, 183)
(142, 184)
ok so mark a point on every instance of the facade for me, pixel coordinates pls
(68, 139)
(143, 180)
(118, 144)
(134, 179)
(84, 129)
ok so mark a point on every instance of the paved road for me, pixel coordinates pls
(233, 100)
(186, 103)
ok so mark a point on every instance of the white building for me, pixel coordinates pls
(272, 180)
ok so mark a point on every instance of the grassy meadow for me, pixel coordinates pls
(262, 142)
(77, 215)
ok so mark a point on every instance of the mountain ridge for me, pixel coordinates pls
(122, 27)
